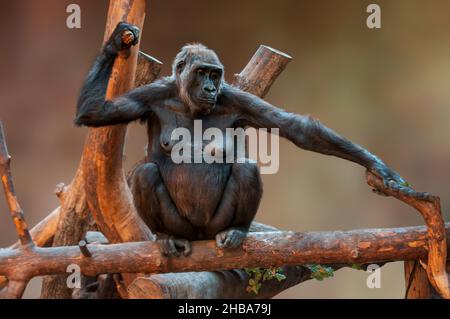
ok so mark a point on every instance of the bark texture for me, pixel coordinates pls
(99, 182)
(261, 249)
(430, 209)
(100, 190)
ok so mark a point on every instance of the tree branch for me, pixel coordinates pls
(42, 235)
(10, 194)
(14, 289)
(430, 209)
(261, 71)
(269, 249)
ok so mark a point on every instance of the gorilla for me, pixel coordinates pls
(182, 202)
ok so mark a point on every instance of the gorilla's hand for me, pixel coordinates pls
(170, 245)
(231, 238)
(388, 175)
(122, 39)
(392, 180)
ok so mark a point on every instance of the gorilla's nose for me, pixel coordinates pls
(209, 89)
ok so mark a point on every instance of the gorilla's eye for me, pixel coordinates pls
(214, 75)
(201, 72)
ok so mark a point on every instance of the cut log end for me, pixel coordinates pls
(275, 51)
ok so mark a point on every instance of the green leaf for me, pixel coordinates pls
(258, 275)
(251, 270)
(267, 276)
(406, 183)
(320, 272)
(357, 266)
(280, 277)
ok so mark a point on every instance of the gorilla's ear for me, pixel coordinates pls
(180, 66)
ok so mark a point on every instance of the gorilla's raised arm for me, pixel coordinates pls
(93, 110)
(134, 105)
(304, 131)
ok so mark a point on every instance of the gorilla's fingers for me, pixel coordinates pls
(220, 237)
(172, 248)
(183, 244)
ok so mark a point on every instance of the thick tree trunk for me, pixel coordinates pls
(108, 196)
(101, 163)
(417, 283)
(73, 212)
(227, 284)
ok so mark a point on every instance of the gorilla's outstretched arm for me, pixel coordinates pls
(306, 132)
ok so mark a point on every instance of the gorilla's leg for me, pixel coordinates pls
(238, 206)
(154, 205)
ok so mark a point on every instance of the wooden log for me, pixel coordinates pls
(148, 69)
(233, 283)
(417, 284)
(430, 209)
(108, 196)
(229, 284)
(270, 249)
(262, 70)
(73, 222)
(14, 290)
(42, 235)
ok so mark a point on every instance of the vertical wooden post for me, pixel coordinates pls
(108, 196)
(430, 209)
(417, 285)
(100, 173)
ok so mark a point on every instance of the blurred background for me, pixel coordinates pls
(386, 89)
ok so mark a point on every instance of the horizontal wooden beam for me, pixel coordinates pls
(265, 249)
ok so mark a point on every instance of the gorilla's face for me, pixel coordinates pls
(205, 86)
(199, 75)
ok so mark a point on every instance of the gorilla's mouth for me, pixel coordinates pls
(210, 101)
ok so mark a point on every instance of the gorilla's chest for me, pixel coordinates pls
(177, 143)
(190, 140)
